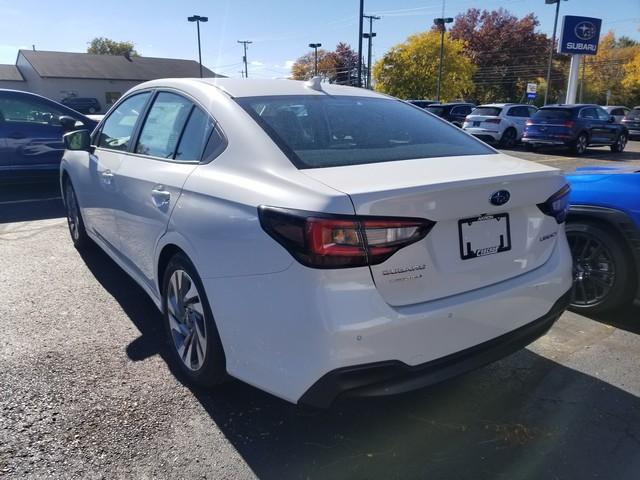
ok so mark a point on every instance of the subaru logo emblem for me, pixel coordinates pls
(585, 30)
(500, 197)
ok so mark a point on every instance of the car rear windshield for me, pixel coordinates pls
(633, 114)
(553, 113)
(435, 110)
(487, 111)
(317, 131)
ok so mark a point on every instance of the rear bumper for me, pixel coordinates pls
(540, 141)
(284, 332)
(483, 134)
(388, 378)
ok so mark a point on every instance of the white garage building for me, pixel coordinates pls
(59, 75)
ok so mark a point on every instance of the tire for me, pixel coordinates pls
(77, 231)
(604, 275)
(529, 147)
(579, 146)
(621, 143)
(190, 328)
(508, 138)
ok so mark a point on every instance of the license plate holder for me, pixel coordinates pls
(476, 124)
(484, 235)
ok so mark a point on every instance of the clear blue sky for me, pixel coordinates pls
(280, 29)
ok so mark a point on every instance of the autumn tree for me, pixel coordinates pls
(339, 66)
(410, 68)
(106, 46)
(631, 80)
(507, 51)
(606, 71)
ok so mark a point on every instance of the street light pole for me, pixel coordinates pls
(244, 58)
(315, 48)
(551, 47)
(360, 18)
(442, 24)
(369, 36)
(198, 19)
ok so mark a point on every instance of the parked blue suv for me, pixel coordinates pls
(574, 126)
(31, 129)
(603, 230)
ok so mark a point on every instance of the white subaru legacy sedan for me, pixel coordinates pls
(316, 240)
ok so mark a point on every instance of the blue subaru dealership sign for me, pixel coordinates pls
(580, 35)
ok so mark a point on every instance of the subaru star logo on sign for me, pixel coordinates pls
(500, 197)
(580, 35)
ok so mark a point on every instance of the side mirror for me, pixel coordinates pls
(68, 123)
(612, 119)
(78, 140)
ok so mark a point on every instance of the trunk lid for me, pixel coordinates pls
(454, 192)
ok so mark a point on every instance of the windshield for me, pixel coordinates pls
(487, 111)
(633, 114)
(324, 131)
(553, 113)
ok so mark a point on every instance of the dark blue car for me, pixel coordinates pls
(576, 127)
(31, 129)
(603, 229)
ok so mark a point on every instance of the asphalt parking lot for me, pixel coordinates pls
(87, 390)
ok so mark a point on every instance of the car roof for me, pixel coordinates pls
(570, 106)
(236, 88)
(611, 107)
(451, 104)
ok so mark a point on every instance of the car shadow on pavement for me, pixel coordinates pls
(627, 318)
(523, 417)
(21, 202)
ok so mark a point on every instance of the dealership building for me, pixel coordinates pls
(59, 75)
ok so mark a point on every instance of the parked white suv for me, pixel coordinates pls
(312, 239)
(501, 123)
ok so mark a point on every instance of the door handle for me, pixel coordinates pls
(160, 197)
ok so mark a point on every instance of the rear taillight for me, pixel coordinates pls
(557, 205)
(492, 120)
(529, 122)
(339, 241)
(569, 123)
(467, 119)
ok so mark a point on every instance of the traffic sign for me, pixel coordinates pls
(531, 96)
(532, 88)
(580, 35)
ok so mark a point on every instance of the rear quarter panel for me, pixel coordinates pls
(618, 191)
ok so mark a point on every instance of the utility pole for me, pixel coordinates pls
(241, 73)
(360, 19)
(442, 24)
(198, 19)
(369, 36)
(244, 57)
(315, 48)
(551, 47)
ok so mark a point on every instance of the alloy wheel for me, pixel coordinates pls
(622, 142)
(186, 320)
(581, 144)
(594, 271)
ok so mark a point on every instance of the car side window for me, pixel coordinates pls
(118, 127)
(29, 110)
(163, 126)
(195, 136)
(602, 114)
(518, 112)
(589, 113)
(532, 111)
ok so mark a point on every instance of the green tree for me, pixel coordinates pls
(106, 46)
(631, 80)
(410, 68)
